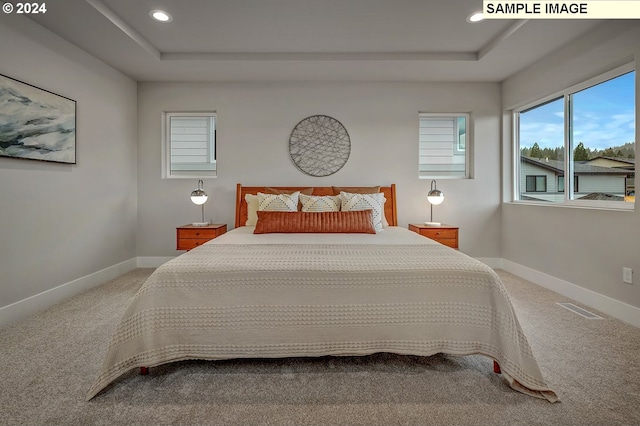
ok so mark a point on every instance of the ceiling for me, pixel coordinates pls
(306, 40)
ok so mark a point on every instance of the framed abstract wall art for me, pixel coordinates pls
(36, 124)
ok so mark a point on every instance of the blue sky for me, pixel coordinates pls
(603, 116)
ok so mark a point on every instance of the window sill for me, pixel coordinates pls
(191, 176)
(584, 205)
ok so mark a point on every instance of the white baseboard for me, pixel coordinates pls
(615, 308)
(492, 262)
(152, 261)
(23, 308)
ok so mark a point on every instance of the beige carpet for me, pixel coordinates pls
(50, 360)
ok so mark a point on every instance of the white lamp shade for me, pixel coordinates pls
(199, 198)
(435, 197)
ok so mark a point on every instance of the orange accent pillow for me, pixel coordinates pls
(351, 222)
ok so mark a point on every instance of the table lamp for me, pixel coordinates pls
(435, 196)
(199, 197)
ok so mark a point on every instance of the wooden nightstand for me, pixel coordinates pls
(444, 234)
(189, 236)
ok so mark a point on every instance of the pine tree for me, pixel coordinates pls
(580, 153)
(536, 152)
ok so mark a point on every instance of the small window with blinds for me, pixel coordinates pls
(190, 144)
(443, 146)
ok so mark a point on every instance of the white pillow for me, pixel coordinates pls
(278, 202)
(384, 217)
(252, 209)
(324, 203)
(375, 202)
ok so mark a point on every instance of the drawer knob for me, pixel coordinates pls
(197, 233)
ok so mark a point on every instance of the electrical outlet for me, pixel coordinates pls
(627, 275)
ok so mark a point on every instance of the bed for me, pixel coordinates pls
(272, 295)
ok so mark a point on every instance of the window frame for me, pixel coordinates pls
(167, 172)
(457, 149)
(569, 190)
(535, 183)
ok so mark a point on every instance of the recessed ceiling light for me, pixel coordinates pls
(475, 17)
(161, 15)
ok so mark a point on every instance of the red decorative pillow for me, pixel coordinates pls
(348, 222)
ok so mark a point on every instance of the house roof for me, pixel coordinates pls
(557, 167)
(618, 159)
(619, 163)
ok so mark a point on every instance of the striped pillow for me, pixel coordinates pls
(278, 202)
(325, 203)
(374, 202)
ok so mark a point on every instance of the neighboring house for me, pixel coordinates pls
(620, 163)
(543, 179)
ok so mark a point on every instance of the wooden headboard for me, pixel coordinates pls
(241, 205)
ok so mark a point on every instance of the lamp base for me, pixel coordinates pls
(200, 223)
(433, 223)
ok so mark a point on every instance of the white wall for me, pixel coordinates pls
(58, 222)
(254, 124)
(581, 246)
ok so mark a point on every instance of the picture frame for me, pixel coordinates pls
(36, 124)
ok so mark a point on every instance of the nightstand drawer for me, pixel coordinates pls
(439, 234)
(449, 242)
(197, 233)
(189, 237)
(188, 244)
(444, 234)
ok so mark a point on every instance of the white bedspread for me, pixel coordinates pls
(280, 295)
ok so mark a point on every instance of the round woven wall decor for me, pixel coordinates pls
(319, 145)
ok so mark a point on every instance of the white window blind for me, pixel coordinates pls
(443, 150)
(190, 144)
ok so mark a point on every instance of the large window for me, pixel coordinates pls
(595, 123)
(443, 146)
(190, 144)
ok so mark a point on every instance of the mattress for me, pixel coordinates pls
(244, 295)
